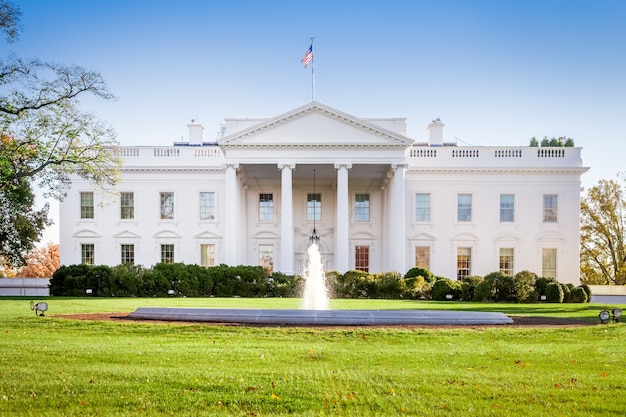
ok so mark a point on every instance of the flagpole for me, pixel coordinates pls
(312, 71)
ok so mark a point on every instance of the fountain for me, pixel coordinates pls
(315, 310)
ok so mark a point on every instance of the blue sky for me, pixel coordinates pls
(496, 72)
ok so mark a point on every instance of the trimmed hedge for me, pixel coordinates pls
(180, 280)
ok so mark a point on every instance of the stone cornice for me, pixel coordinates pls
(502, 171)
(316, 146)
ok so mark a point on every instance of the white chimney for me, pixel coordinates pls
(195, 133)
(435, 133)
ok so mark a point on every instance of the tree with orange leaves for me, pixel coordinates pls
(42, 262)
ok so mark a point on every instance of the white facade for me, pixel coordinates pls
(378, 200)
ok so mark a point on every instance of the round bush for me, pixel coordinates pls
(443, 287)
(554, 292)
(579, 295)
(587, 291)
(420, 272)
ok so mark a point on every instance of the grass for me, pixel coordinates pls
(61, 367)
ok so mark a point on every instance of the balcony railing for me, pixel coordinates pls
(190, 155)
(489, 156)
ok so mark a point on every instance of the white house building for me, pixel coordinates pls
(376, 200)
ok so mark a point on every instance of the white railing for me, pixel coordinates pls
(189, 156)
(426, 156)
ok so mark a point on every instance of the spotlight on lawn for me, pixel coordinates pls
(604, 316)
(40, 307)
(617, 314)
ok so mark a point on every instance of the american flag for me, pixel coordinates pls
(308, 56)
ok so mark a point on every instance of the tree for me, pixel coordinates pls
(552, 142)
(602, 235)
(45, 140)
(42, 262)
(10, 19)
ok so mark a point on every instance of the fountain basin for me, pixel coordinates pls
(321, 317)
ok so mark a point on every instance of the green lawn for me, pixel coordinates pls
(58, 367)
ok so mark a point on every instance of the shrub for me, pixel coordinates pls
(540, 286)
(524, 282)
(503, 287)
(416, 287)
(567, 293)
(126, 280)
(387, 285)
(485, 291)
(443, 287)
(355, 284)
(282, 285)
(468, 287)
(579, 295)
(74, 280)
(587, 291)
(421, 272)
(554, 292)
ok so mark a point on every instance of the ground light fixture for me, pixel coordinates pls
(604, 316)
(40, 307)
(617, 314)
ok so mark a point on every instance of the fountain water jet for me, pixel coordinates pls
(315, 296)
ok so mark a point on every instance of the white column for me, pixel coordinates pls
(398, 213)
(342, 247)
(286, 219)
(232, 215)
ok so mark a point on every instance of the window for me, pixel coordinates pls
(207, 255)
(86, 206)
(507, 208)
(87, 253)
(463, 262)
(548, 263)
(422, 257)
(422, 207)
(362, 208)
(362, 258)
(266, 207)
(167, 206)
(314, 207)
(266, 258)
(207, 206)
(464, 208)
(128, 254)
(167, 254)
(550, 206)
(127, 205)
(506, 261)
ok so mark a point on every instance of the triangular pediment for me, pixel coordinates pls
(423, 236)
(126, 234)
(315, 124)
(506, 237)
(206, 235)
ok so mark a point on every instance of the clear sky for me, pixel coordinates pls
(497, 72)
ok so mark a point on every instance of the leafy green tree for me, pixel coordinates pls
(45, 139)
(602, 234)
